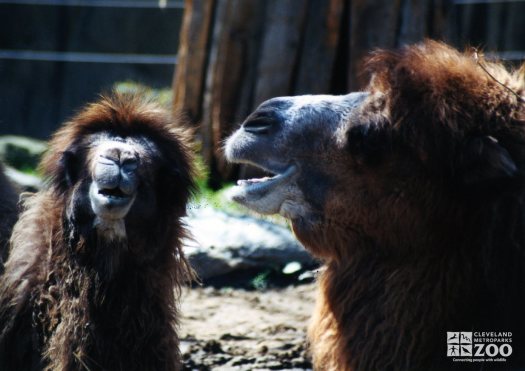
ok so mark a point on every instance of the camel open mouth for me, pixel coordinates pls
(112, 197)
(112, 193)
(264, 195)
(110, 203)
(260, 185)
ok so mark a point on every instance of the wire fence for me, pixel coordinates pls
(80, 57)
(160, 4)
(93, 57)
(474, 2)
(505, 55)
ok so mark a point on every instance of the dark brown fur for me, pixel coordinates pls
(8, 213)
(426, 234)
(72, 301)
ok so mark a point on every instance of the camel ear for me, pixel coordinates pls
(483, 160)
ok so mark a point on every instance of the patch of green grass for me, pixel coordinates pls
(219, 200)
(207, 197)
(162, 96)
(30, 171)
(260, 282)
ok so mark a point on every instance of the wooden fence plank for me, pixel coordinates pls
(233, 52)
(280, 48)
(190, 72)
(319, 46)
(373, 24)
(413, 25)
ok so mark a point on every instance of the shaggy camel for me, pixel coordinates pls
(96, 262)
(412, 194)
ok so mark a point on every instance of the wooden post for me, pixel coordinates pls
(232, 56)
(322, 35)
(280, 48)
(373, 25)
(190, 72)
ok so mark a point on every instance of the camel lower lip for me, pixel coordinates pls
(110, 204)
(113, 201)
(261, 186)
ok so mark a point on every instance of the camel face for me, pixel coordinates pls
(114, 185)
(116, 188)
(293, 139)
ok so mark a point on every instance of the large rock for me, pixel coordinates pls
(223, 243)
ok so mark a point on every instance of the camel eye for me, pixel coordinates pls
(483, 160)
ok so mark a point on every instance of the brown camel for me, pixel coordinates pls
(96, 261)
(412, 194)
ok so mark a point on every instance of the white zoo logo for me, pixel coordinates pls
(461, 344)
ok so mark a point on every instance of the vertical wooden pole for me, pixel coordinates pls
(190, 72)
(319, 47)
(280, 48)
(232, 56)
(374, 23)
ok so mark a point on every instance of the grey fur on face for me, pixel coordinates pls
(113, 184)
(285, 136)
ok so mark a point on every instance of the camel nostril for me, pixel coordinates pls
(260, 122)
(129, 164)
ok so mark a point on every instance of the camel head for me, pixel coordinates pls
(122, 168)
(300, 141)
(400, 166)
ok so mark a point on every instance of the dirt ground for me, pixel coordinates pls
(235, 329)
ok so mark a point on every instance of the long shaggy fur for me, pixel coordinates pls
(70, 300)
(8, 214)
(445, 251)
